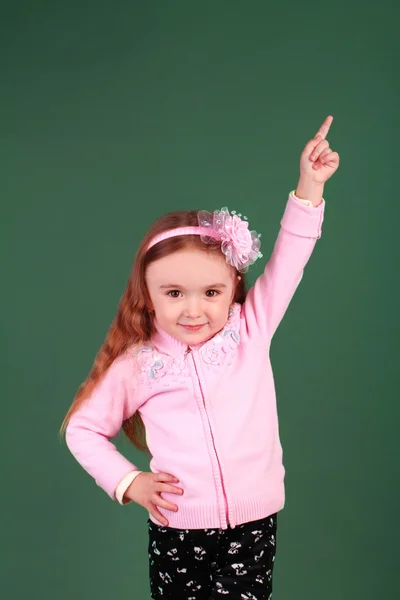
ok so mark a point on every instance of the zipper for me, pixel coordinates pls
(221, 478)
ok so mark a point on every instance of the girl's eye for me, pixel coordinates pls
(209, 293)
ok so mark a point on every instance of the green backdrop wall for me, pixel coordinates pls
(114, 113)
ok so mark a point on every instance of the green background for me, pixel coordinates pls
(113, 113)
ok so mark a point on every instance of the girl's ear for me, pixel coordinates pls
(238, 278)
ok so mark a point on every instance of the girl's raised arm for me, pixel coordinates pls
(301, 226)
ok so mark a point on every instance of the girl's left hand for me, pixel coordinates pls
(318, 162)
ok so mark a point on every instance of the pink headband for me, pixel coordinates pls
(240, 245)
(178, 231)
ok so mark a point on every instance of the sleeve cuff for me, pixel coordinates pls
(123, 486)
(303, 220)
(306, 202)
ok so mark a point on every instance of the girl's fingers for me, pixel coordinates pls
(157, 515)
(171, 489)
(313, 147)
(158, 501)
(319, 137)
(322, 145)
(165, 477)
(324, 129)
(320, 160)
(328, 157)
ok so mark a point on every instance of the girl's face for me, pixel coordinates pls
(191, 292)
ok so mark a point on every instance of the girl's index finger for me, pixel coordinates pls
(324, 129)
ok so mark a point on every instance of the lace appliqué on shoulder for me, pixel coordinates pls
(152, 367)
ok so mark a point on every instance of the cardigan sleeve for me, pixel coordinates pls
(98, 420)
(269, 298)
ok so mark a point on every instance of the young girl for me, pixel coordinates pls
(186, 363)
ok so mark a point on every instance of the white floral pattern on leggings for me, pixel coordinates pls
(198, 564)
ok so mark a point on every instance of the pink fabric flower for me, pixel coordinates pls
(240, 245)
(237, 232)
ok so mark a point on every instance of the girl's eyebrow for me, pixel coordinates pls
(175, 285)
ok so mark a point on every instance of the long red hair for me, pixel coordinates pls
(133, 324)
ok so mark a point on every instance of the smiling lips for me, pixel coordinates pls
(193, 327)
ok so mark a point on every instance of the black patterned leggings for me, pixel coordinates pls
(206, 564)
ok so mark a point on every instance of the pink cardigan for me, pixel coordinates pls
(209, 410)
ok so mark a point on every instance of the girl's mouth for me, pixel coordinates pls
(193, 327)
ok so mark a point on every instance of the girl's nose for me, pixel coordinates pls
(193, 309)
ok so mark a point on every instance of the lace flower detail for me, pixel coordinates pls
(240, 245)
(211, 355)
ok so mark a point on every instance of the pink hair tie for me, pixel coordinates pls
(240, 245)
